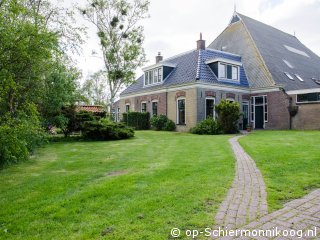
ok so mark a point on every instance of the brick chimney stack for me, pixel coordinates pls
(159, 58)
(201, 44)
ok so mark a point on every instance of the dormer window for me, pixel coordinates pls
(225, 69)
(153, 76)
(157, 73)
(228, 71)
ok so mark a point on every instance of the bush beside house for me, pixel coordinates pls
(162, 123)
(137, 120)
(228, 116)
(208, 126)
(227, 121)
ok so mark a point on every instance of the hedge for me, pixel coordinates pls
(137, 120)
(104, 129)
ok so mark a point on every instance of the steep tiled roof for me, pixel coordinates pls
(190, 67)
(280, 52)
(90, 108)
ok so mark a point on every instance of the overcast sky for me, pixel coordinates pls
(175, 25)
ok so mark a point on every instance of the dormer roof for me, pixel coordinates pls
(190, 67)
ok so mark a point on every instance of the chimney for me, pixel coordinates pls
(159, 58)
(201, 44)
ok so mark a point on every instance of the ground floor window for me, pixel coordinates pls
(127, 107)
(143, 107)
(308, 97)
(210, 108)
(181, 111)
(118, 114)
(245, 112)
(154, 108)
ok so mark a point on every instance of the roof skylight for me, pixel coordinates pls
(300, 78)
(289, 76)
(297, 51)
(288, 63)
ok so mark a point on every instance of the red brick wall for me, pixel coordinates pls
(162, 102)
(278, 114)
(307, 117)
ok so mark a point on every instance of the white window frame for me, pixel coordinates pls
(308, 101)
(220, 70)
(185, 110)
(118, 114)
(146, 77)
(247, 104)
(231, 100)
(225, 77)
(214, 107)
(127, 104)
(143, 102)
(153, 101)
(152, 78)
(265, 110)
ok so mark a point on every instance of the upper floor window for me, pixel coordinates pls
(153, 76)
(228, 71)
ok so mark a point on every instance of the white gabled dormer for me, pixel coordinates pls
(225, 69)
(155, 74)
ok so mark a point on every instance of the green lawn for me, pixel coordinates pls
(289, 162)
(131, 189)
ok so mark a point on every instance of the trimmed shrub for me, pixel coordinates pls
(137, 120)
(169, 125)
(163, 123)
(228, 116)
(106, 130)
(208, 126)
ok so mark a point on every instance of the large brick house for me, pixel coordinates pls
(274, 77)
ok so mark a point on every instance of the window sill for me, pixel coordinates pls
(181, 124)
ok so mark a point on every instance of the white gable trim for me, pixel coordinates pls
(224, 60)
(160, 64)
(303, 91)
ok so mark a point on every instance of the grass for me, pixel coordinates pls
(131, 189)
(289, 162)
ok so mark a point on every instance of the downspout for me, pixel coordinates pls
(292, 109)
(167, 103)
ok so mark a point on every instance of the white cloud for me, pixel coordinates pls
(174, 25)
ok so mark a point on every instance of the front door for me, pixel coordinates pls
(259, 117)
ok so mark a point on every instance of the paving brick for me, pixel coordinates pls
(245, 205)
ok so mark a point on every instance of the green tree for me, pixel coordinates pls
(26, 51)
(228, 116)
(121, 38)
(61, 88)
(95, 89)
(31, 63)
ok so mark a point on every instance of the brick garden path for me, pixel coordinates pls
(245, 206)
(246, 200)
